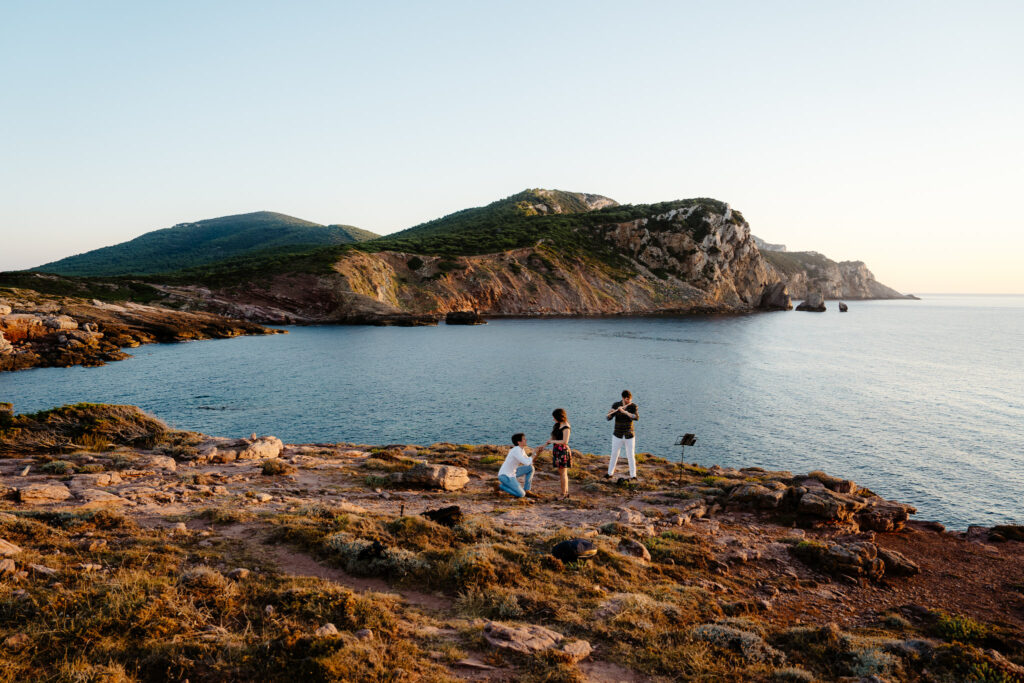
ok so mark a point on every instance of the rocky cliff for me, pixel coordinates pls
(40, 330)
(538, 252)
(805, 272)
(695, 257)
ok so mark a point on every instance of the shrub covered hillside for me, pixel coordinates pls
(192, 244)
(568, 224)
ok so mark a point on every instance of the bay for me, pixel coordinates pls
(920, 401)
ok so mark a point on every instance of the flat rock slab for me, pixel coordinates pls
(35, 494)
(7, 548)
(525, 639)
(95, 479)
(94, 498)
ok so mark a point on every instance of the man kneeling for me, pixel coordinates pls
(517, 464)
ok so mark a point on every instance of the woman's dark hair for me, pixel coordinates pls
(517, 437)
(626, 394)
(559, 414)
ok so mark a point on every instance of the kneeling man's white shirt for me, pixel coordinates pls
(515, 459)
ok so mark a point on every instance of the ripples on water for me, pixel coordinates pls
(919, 401)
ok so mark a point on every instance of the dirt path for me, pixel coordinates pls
(297, 563)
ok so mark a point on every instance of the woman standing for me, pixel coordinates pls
(561, 456)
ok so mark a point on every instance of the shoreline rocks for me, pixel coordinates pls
(775, 298)
(814, 303)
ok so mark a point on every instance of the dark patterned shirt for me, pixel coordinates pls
(624, 423)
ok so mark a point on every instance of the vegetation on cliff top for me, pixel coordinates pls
(103, 289)
(194, 244)
(510, 223)
(792, 262)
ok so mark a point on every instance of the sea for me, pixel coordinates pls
(920, 401)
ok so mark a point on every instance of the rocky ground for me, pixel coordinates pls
(129, 551)
(45, 330)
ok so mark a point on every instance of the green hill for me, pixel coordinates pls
(521, 221)
(551, 218)
(190, 245)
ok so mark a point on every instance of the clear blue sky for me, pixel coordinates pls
(884, 131)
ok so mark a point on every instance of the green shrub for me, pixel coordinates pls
(57, 467)
(958, 627)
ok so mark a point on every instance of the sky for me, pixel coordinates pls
(888, 132)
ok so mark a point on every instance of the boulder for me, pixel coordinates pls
(95, 498)
(578, 650)
(829, 505)
(1007, 532)
(239, 574)
(880, 514)
(630, 516)
(5, 346)
(162, 462)
(261, 448)
(17, 642)
(7, 548)
(449, 516)
(814, 302)
(775, 297)
(4, 309)
(628, 546)
(464, 318)
(430, 476)
(95, 479)
(60, 322)
(38, 494)
(757, 496)
(843, 308)
(574, 550)
(7, 566)
(897, 563)
(326, 631)
(858, 560)
(525, 639)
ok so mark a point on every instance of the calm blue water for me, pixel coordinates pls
(920, 401)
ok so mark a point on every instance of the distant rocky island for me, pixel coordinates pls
(535, 253)
(130, 551)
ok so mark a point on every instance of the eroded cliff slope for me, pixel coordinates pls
(692, 255)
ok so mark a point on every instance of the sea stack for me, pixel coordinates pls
(814, 302)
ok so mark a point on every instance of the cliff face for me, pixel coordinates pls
(805, 272)
(698, 258)
(40, 330)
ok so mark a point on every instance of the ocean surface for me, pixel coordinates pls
(921, 401)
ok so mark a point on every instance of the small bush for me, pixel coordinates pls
(489, 603)
(957, 627)
(203, 579)
(792, 675)
(275, 466)
(57, 467)
(873, 662)
(895, 621)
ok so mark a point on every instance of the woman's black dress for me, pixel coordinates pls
(561, 456)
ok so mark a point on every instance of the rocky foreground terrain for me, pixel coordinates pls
(129, 551)
(45, 330)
